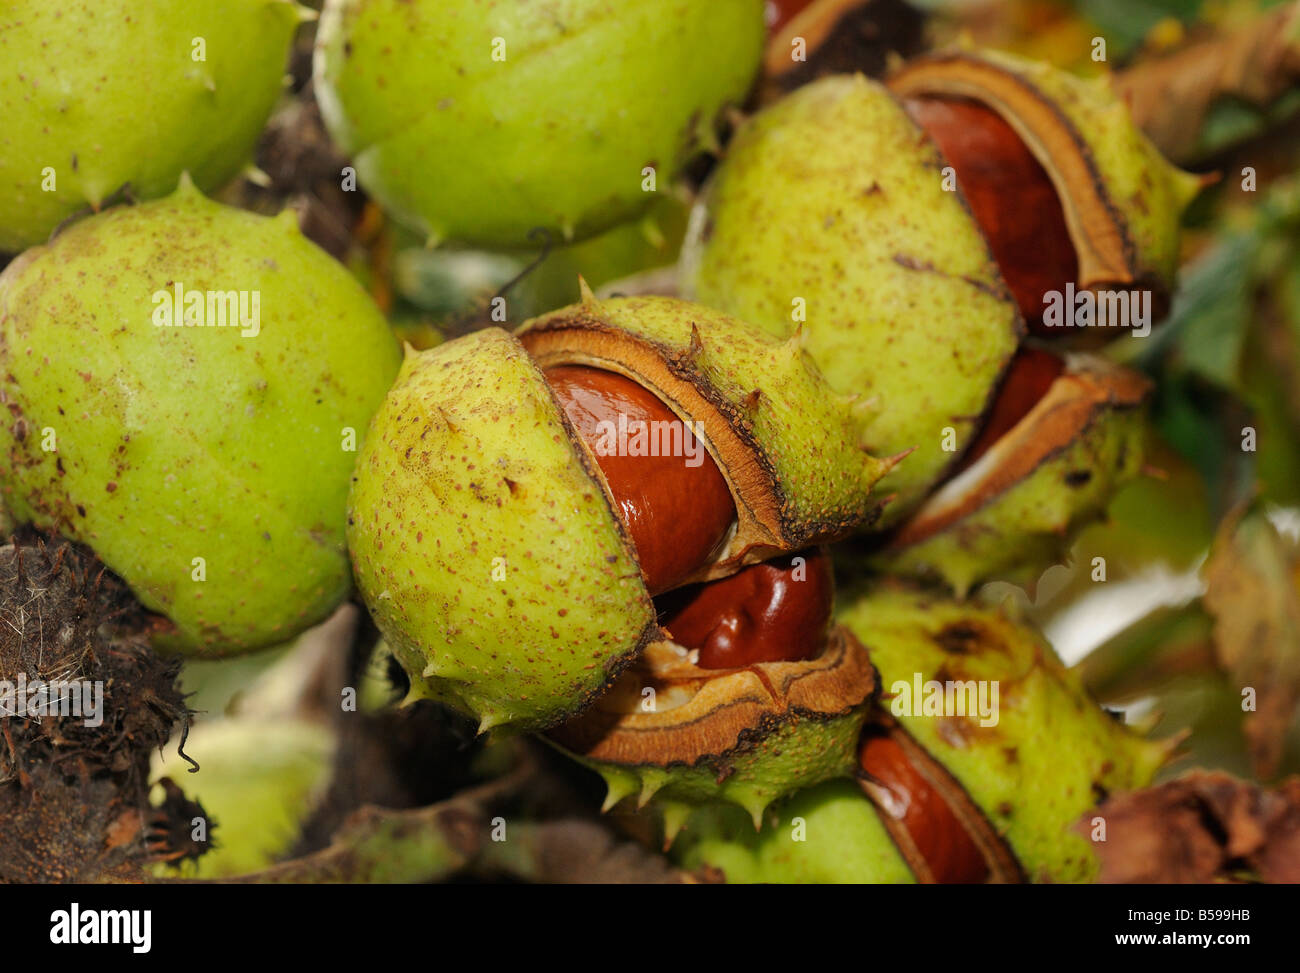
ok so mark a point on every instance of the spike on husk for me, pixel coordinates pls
(742, 736)
(675, 815)
(619, 785)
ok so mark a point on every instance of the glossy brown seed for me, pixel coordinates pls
(1030, 375)
(936, 833)
(676, 504)
(777, 611)
(1011, 196)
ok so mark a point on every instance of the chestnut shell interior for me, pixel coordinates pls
(1028, 378)
(704, 714)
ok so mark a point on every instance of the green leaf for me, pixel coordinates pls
(1212, 310)
(1126, 22)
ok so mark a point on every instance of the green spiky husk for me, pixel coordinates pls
(1019, 533)
(801, 751)
(835, 197)
(472, 422)
(1052, 756)
(90, 89)
(158, 445)
(554, 132)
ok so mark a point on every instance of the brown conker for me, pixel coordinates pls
(936, 833)
(676, 514)
(1011, 197)
(776, 611)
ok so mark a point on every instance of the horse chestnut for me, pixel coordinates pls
(523, 607)
(115, 95)
(916, 798)
(777, 611)
(1010, 195)
(675, 504)
(184, 385)
(1064, 434)
(480, 122)
(831, 213)
(978, 792)
(828, 218)
(1065, 187)
(1032, 373)
(753, 696)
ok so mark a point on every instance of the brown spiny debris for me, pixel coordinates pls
(83, 703)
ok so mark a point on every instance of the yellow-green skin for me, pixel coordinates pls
(1023, 531)
(461, 146)
(482, 538)
(176, 443)
(258, 780)
(826, 835)
(484, 546)
(1053, 754)
(833, 197)
(812, 437)
(107, 93)
(800, 753)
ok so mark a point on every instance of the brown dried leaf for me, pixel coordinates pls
(1251, 591)
(1171, 97)
(1202, 827)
